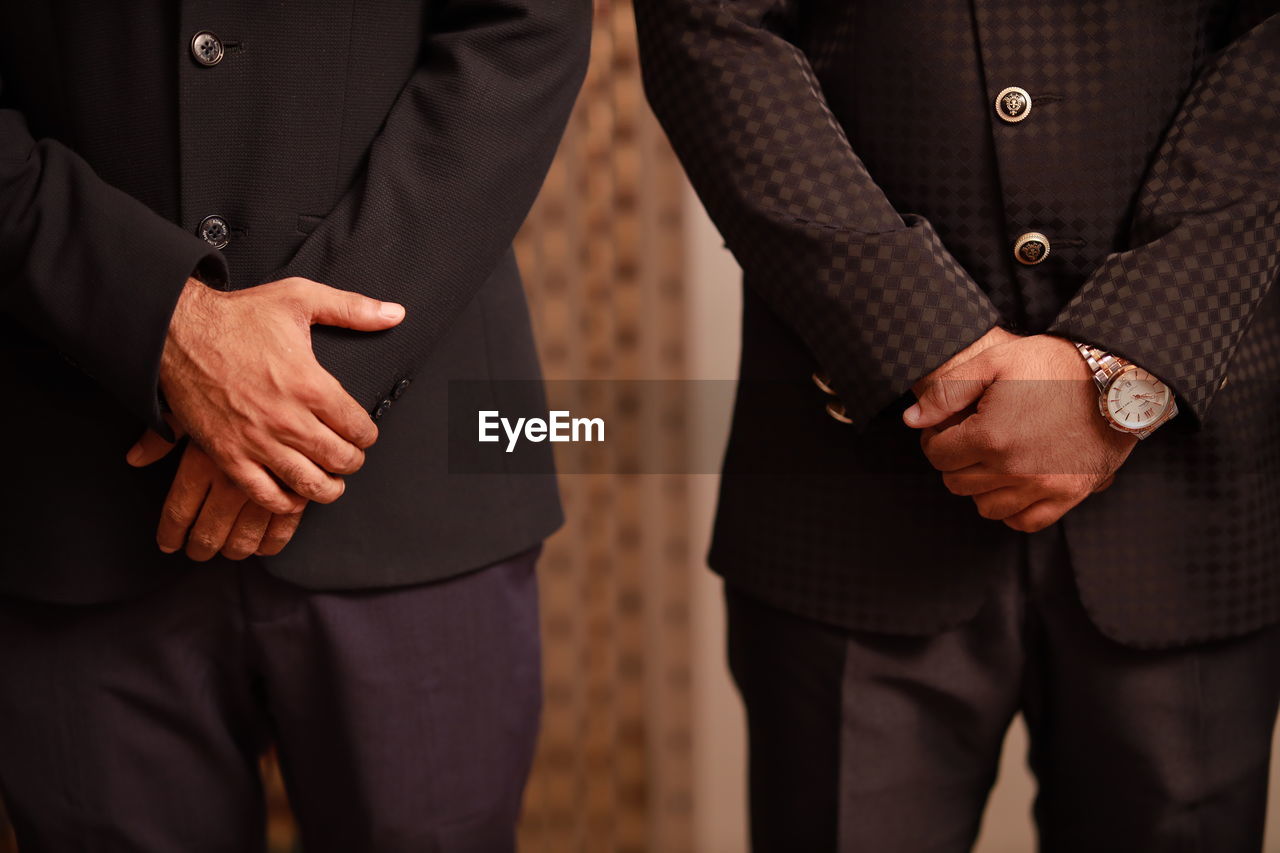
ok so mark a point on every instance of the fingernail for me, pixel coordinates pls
(134, 454)
(912, 415)
(391, 311)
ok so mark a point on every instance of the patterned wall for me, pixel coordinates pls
(602, 259)
(603, 263)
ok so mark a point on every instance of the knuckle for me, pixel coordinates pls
(1029, 522)
(327, 493)
(205, 541)
(274, 543)
(989, 510)
(992, 439)
(311, 391)
(349, 461)
(238, 550)
(262, 495)
(176, 514)
(295, 474)
(309, 487)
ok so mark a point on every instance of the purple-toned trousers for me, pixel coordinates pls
(404, 719)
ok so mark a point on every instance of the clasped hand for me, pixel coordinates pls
(270, 428)
(1013, 423)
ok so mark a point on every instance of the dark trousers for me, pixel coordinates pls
(862, 742)
(405, 719)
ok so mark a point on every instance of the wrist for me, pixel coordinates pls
(1131, 399)
(194, 303)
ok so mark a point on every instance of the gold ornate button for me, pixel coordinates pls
(824, 384)
(836, 410)
(1013, 104)
(1031, 248)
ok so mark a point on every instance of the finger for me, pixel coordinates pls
(247, 531)
(279, 532)
(149, 448)
(975, 480)
(182, 504)
(1003, 503)
(339, 412)
(326, 449)
(328, 306)
(951, 393)
(305, 478)
(956, 447)
(209, 533)
(261, 488)
(1038, 516)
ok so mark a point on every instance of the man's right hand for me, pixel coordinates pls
(239, 373)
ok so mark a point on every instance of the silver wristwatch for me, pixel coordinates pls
(1131, 399)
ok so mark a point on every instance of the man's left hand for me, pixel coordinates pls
(1035, 446)
(208, 514)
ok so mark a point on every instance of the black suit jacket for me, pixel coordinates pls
(383, 146)
(852, 156)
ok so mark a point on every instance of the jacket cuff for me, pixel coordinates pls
(928, 309)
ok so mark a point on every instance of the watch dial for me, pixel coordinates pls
(1136, 399)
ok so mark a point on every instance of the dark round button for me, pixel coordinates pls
(214, 231)
(1013, 104)
(399, 389)
(1031, 248)
(381, 410)
(206, 48)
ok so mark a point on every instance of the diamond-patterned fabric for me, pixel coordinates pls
(853, 158)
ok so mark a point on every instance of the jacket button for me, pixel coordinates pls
(1031, 248)
(381, 410)
(1013, 104)
(399, 389)
(823, 383)
(214, 231)
(206, 48)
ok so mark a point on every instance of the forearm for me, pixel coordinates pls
(875, 295)
(449, 180)
(1206, 236)
(91, 270)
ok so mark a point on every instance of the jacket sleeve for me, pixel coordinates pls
(88, 268)
(875, 296)
(1206, 231)
(449, 179)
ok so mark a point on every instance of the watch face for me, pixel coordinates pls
(1136, 399)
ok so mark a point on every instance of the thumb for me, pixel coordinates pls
(332, 307)
(951, 393)
(149, 448)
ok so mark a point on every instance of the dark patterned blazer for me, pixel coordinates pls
(865, 167)
(391, 147)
